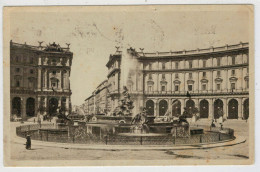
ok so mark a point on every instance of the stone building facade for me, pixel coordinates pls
(39, 79)
(165, 82)
(97, 102)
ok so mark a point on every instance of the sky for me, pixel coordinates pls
(94, 33)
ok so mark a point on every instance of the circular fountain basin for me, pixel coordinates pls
(142, 134)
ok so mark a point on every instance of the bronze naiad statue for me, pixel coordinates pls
(62, 117)
(140, 122)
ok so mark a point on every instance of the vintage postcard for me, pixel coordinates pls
(129, 85)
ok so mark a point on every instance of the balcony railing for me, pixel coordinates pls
(197, 51)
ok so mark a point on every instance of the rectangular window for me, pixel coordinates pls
(176, 75)
(190, 75)
(163, 76)
(218, 73)
(176, 65)
(233, 72)
(247, 84)
(190, 64)
(204, 74)
(31, 84)
(150, 88)
(233, 60)
(204, 63)
(150, 76)
(203, 87)
(218, 86)
(218, 61)
(17, 69)
(53, 84)
(190, 87)
(233, 86)
(17, 83)
(31, 60)
(176, 87)
(163, 65)
(163, 88)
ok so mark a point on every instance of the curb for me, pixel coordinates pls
(235, 141)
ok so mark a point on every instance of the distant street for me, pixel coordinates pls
(240, 151)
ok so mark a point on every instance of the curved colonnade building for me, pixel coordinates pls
(213, 78)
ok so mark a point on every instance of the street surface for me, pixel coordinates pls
(240, 151)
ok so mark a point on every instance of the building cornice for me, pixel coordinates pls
(196, 94)
(113, 71)
(195, 53)
(198, 69)
(32, 92)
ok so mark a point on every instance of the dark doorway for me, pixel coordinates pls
(30, 107)
(190, 106)
(246, 109)
(16, 106)
(150, 107)
(204, 109)
(53, 106)
(176, 108)
(163, 107)
(218, 106)
(233, 109)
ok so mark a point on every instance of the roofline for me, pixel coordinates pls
(89, 97)
(198, 51)
(40, 48)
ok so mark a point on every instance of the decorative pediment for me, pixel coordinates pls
(218, 80)
(53, 47)
(31, 79)
(233, 79)
(54, 79)
(17, 77)
(246, 78)
(176, 82)
(204, 81)
(150, 82)
(190, 81)
(163, 82)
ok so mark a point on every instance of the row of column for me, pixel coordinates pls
(44, 79)
(197, 104)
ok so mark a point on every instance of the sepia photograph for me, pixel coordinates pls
(128, 85)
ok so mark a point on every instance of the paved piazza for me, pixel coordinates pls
(240, 151)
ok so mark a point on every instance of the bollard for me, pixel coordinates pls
(141, 140)
(200, 138)
(219, 136)
(41, 134)
(47, 135)
(174, 140)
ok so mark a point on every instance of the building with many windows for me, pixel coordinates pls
(39, 79)
(165, 82)
(97, 103)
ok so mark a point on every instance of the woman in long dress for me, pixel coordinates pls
(28, 141)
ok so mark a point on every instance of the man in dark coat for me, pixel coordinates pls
(28, 141)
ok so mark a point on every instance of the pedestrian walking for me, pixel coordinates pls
(28, 142)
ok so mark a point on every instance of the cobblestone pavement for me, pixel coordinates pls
(240, 151)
